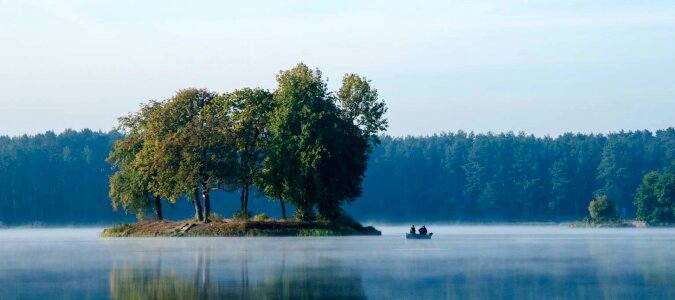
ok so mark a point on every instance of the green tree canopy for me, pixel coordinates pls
(602, 209)
(320, 149)
(655, 197)
(249, 112)
(197, 147)
(360, 104)
(301, 143)
(137, 175)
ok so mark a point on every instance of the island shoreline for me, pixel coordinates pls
(239, 228)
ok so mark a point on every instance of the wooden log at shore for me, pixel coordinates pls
(186, 227)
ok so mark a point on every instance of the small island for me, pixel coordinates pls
(299, 145)
(237, 228)
(654, 201)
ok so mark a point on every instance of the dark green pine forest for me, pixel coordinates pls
(509, 177)
(63, 178)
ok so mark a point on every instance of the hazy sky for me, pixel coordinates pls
(544, 67)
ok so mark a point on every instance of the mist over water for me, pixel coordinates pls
(512, 262)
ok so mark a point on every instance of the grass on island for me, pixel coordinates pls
(610, 223)
(616, 223)
(240, 227)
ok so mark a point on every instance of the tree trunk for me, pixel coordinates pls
(158, 209)
(283, 206)
(245, 200)
(198, 207)
(241, 199)
(207, 203)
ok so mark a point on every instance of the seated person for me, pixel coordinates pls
(423, 230)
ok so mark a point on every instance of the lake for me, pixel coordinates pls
(486, 262)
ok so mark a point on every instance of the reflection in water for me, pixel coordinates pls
(460, 263)
(329, 280)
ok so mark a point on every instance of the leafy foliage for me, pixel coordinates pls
(241, 215)
(361, 105)
(655, 197)
(602, 209)
(134, 182)
(296, 144)
(261, 217)
(248, 111)
(318, 152)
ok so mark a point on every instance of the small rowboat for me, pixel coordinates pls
(414, 236)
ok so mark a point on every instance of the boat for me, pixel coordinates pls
(415, 236)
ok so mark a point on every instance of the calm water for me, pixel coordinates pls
(488, 262)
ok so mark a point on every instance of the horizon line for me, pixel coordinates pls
(406, 136)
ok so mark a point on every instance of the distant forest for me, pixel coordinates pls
(63, 178)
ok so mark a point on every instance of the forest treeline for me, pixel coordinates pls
(507, 176)
(63, 178)
(56, 178)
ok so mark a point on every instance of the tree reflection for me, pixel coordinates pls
(328, 280)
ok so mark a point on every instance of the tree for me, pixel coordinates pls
(249, 112)
(453, 178)
(128, 190)
(319, 151)
(361, 105)
(480, 168)
(197, 147)
(655, 197)
(625, 159)
(602, 209)
(342, 167)
(561, 183)
(135, 178)
(271, 181)
(298, 125)
(352, 138)
(646, 200)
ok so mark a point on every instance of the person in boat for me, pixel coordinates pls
(412, 229)
(423, 230)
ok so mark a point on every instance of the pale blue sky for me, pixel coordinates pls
(544, 67)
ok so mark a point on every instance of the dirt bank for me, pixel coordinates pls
(233, 227)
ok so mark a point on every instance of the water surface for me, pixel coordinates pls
(511, 262)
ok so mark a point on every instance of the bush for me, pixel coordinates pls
(117, 231)
(241, 215)
(655, 198)
(304, 216)
(261, 217)
(602, 209)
